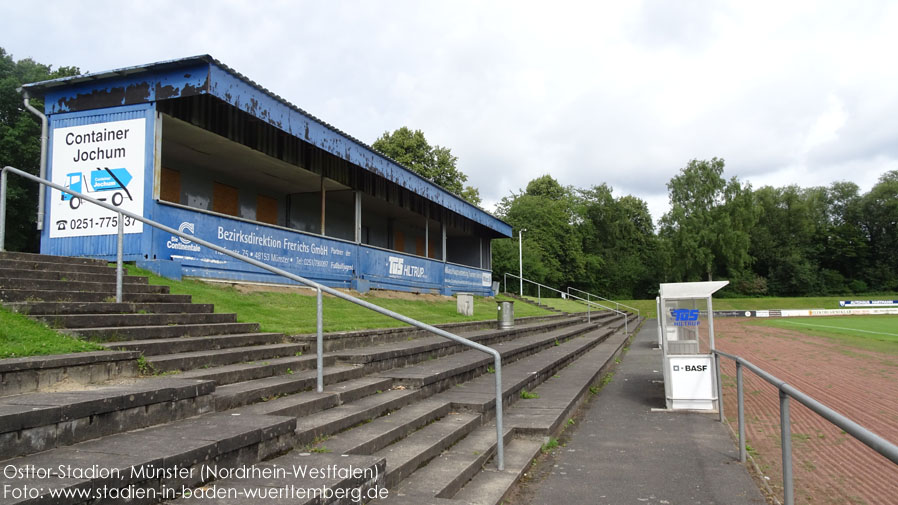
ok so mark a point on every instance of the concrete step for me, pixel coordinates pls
(29, 294)
(118, 333)
(239, 372)
(479, 394)
(154, 347)
(53, 275)
(35, 422)
(385, 430)
(439, 374)
(337, 419)
(339, 390)
(119, 320)
(446, 474)
(413, 451)
(199, 359)
(50, 308)
(46, 258)
(491, 486)
(98, 287)
(136, 458)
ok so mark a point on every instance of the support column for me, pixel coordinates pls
(427, 232)
(481, 252)
(323, 195)
(358, 217)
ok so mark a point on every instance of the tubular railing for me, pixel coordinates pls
(588, 303)
(320, 288)
(870, 439)
(590, 295)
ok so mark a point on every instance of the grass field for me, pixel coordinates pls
(20, 336)
(647, 307)
(875, 333)
(293, 312)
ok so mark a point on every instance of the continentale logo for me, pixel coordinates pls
(181, 243)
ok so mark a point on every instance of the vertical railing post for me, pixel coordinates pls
(505, 281)
(720, 414)
(741, 406)
(500, 441)
(319, 343)
(3, 210)
(588, 315)
(539, 294)
(786, 442)
(119, 252)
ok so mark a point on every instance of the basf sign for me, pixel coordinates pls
(104, 161)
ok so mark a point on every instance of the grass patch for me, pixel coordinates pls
(294, 312)
(528, 395)
(551, 444)
(873, 333)
(21, 336)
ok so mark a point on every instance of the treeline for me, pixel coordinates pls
(783, 241)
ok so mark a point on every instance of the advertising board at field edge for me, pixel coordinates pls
(104, 161)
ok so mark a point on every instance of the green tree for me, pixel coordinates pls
(20, 145)
(709, 224)
(411, 149)
(880, 223)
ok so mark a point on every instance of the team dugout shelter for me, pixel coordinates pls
(198, 147)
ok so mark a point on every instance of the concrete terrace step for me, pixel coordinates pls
(490, 486)
(100, 287)
(63, 260)
(413, 451)
(50, 266)
(30, 294)
(401, 353)
(198, 359)
(119, 320)
(446, 474)
(52, 275)
(479, 394)
(560, 394)
(385, 430)
(50, 308)
(154, 347)
(208, 440)
(437, 375)
(308, 403)
(115, 333)
(230, 374)
(334, 420)
(37, 422)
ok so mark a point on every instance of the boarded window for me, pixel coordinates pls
(266, 209)
(225, 199)
(399, 241)
(170, 185)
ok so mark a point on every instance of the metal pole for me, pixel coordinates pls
(719, 387)
(786, 442)
(539, 294)
(500, 442)
(521, 263)
(741, 402)
(588, 315)
(319, 344)
(118, 258)
(3, 210)
(505, 281)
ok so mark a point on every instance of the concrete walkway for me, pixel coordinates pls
(623, 453)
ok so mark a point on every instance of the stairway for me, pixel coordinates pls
(412, 415)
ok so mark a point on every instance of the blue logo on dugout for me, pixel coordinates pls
(685, 317)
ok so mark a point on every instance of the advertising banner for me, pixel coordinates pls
(104, 161)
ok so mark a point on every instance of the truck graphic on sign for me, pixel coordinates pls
(99, 180)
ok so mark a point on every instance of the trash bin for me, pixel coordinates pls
(506, 314)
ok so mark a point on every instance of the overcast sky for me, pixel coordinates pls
(624, 93)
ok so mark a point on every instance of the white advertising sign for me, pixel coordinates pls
(692, 382)
(104, 161)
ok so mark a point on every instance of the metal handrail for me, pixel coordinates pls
(497, 357)
(588, 303)
(588, 295)
(867, 437)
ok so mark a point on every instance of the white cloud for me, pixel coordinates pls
(590, 92)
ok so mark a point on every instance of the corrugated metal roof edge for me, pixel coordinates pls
(42, 86)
